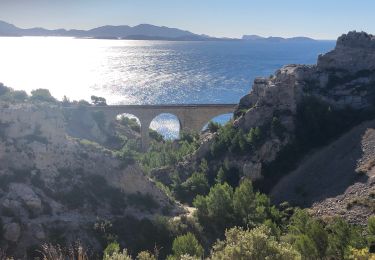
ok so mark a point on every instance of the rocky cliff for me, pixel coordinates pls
(297, 110)
(54, 186)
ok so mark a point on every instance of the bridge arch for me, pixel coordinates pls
(167, 124)
(220, 119)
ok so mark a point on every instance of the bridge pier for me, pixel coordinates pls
(145, 136)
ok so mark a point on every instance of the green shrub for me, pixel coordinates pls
(257, 244)
(213, 127)
(343, 236)
(186, 245)
(371, 230)
(144, 255)
(132, 123)
(42, 95)
(98, 101)
(236, 141)
(14, 96)
(112, 248)
(3, 89)
(307, 235)
(168, 153)
(215, 210)
(155, 135)
(196, 184)
(250, 208)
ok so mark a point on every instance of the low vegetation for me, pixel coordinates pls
(248, 228)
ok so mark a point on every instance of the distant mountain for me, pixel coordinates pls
(7, 29)
(139, 32)
(275, 39)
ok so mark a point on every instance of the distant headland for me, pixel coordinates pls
(138, 32)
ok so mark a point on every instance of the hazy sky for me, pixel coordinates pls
(323, 19)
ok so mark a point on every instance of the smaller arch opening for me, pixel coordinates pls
(167, 125)
(130, 121)
(221, 120)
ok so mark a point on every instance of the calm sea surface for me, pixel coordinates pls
(146, 72)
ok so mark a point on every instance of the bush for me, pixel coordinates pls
(186, 245)
(98, 101)
(132, 123)
(112, 248)
(155, 135)
(236, 141)
(3, 89)
(167, 154)
(216, 209)
(342, 236)
(42, 95)
(307, 235)
(250, 208)
(144, 255)
(371, 230)
(213, 127)
(196, 184)
(11, 95)
(257, 244)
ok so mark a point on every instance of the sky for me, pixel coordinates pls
(319, 19)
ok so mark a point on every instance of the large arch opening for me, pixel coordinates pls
(165, 125)
(221, 120)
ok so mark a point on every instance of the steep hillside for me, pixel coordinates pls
(56, 187)
(338, 179)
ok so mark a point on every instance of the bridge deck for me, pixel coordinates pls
(168, 106)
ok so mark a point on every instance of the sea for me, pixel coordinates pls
(148, 72)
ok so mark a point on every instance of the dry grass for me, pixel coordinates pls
(56, 252)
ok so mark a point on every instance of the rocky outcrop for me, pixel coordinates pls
(354, 52)
(55, 184)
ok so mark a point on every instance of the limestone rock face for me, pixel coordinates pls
(354, 52)
(278, 93)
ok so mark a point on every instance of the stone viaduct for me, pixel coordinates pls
(192, 117)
